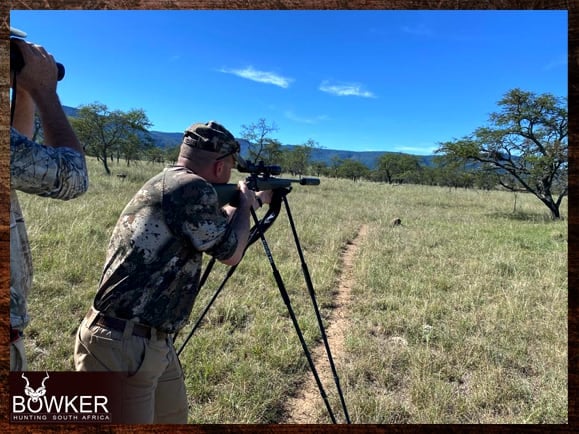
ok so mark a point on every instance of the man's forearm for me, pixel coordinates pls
(24, 113)
(241, 227)
(57, 130)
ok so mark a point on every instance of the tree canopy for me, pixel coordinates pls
(106, 133)
(257, 134)
(396, 167)
(525, 145)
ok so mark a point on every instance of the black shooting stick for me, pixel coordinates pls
(286, 299)
(203, 279)
(310, 286)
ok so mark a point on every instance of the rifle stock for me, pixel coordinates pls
(229, 194)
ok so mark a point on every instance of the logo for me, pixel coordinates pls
(62, 397)
(35, 395)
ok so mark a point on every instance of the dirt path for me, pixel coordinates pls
(302, 408)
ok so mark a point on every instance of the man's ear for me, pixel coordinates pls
(218, 167)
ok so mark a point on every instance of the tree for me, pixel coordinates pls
(353, 169)
(335, 164)
(319, 168)
(397, 167)
(172, 154)
(257, 136)
(272, 152)
(297, 159)
(525, 144)
(104, 133)
(155, 155)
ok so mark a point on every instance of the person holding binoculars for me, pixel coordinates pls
(55, 168)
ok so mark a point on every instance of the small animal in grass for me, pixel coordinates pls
(396, 222)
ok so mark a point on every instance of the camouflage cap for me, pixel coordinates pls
(212, 137)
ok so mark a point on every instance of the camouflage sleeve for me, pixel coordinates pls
(195, 209)
(208, 227)
(59, 173)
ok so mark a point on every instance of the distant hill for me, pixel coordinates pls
(368, 158)
(70, 111)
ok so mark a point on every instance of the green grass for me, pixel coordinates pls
(457, 316)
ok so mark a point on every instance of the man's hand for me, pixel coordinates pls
(39, 74)
(265, 196)
(38, 78)
(246, 196)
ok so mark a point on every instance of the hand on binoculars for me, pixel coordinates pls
(39, 74)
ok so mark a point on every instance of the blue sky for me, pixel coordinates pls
(398, 81)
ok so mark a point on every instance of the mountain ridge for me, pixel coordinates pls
(370, 159)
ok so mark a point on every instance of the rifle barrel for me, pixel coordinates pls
(309, 181)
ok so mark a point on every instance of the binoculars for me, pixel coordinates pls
(17, 61)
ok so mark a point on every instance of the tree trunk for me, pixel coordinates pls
(105, 164)
(553, 207)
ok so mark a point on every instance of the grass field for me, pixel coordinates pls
(459, 315)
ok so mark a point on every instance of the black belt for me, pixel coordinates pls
(119, 325)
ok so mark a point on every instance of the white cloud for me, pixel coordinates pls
(304, 120)
(420, 149)
(260, 76)
(345, 90)
(418, 30)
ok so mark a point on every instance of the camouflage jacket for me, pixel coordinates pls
(58, 173)
(153, 264)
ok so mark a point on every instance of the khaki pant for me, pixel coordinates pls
(154, 388)
(18, 356)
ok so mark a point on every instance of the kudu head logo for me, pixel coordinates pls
(35, 395)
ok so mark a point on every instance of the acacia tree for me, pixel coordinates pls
(104, 133)
(525, 144)
(258, 137)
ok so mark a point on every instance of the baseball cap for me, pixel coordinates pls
(17, 32)
(212, 137)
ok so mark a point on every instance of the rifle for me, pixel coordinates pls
(261, 178)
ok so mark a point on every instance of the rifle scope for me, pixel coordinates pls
(245, 166)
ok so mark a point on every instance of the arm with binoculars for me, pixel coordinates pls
(60, 157)
(261, 178)
(37, 74)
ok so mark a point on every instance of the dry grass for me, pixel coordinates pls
(459, 315)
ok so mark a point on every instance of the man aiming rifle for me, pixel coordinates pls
(152, 272)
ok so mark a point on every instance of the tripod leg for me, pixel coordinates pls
(255, 232)
(229, 273)
(310, 286)
(286, 299)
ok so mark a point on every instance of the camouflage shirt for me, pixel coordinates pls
(58, 173)
(153, 264)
